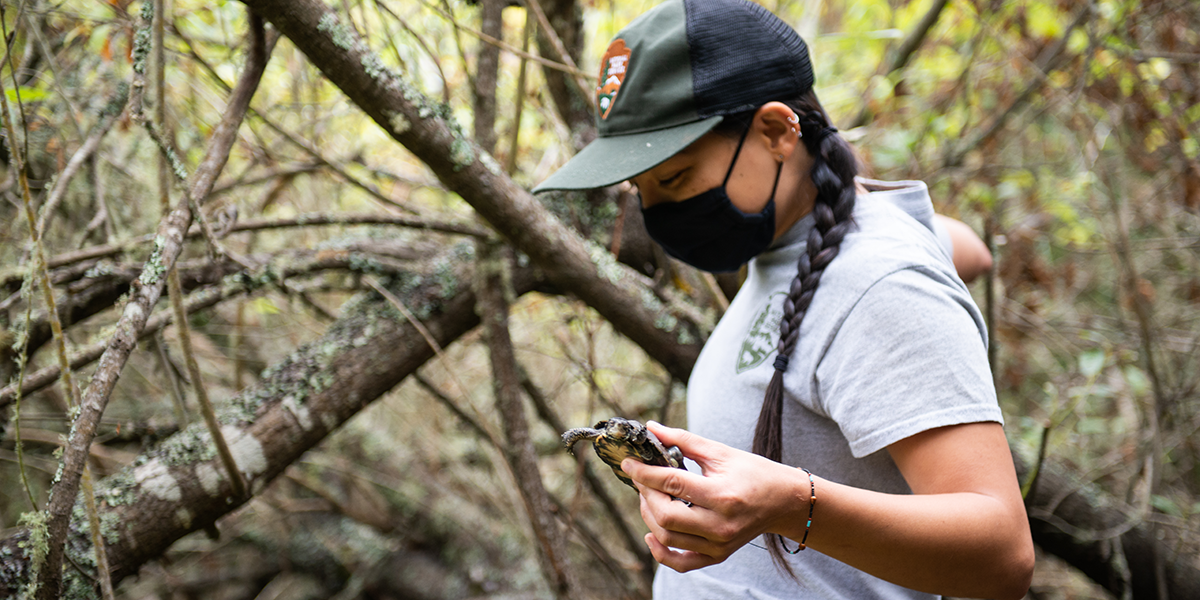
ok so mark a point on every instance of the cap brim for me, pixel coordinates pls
(609, 160)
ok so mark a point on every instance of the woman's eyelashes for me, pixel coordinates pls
(673, 179)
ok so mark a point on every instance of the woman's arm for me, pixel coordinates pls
(970, 255)
(963, 532)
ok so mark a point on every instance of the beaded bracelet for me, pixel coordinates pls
(812, 502)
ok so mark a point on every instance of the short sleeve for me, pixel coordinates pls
(943, 237)
(910, 356)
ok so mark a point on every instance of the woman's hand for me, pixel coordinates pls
(739, 497)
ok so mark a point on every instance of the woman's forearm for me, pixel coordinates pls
(962, 544)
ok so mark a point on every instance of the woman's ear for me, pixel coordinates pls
(779, 128)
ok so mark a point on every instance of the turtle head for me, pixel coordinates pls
(623, 429)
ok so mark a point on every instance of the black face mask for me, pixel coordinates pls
(708, 232)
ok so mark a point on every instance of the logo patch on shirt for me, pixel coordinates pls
(763, 337)
(612, 74)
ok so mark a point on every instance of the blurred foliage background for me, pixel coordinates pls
(1066, 133)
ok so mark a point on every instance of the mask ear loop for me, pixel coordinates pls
(742, 140)
(737, 152)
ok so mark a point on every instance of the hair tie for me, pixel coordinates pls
(781, 362)
(828, 131)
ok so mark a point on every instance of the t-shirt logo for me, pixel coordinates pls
(763, 337)
(612, 73)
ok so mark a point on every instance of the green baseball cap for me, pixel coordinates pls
(673, 74)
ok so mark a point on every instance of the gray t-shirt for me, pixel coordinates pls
(892, 345)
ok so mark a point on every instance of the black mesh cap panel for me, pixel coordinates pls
(743, 57)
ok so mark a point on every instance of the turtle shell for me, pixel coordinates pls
(616, 439)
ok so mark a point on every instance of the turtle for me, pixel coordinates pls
(617, 438)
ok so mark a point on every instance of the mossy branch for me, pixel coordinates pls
(50, 575)
(428, 131)
(298, 402)
(275, 269)
(169, 244)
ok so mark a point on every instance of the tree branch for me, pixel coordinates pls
(229, 283)
(900, 58)
(1061, 511)
(178, 486)
(169, 244)
(571, 263)
(487, 70)
(491, 289)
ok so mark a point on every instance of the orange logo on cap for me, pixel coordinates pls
(612, 73)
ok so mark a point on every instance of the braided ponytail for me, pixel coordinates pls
(833, 170)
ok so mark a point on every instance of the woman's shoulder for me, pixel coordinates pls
(893, 230)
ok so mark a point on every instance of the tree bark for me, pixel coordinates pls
(487, 71)
(569, 262)
(567, 20)
(179, 486)
(1104, 539)
(492, 308)
(169, 245)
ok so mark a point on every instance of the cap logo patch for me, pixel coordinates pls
(612, 73)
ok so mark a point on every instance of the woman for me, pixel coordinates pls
(851, 367)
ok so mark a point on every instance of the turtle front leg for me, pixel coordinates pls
(571, 437)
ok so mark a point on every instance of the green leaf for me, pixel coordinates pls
(1091, 362)
(28, 94)
(264, 306)
(1136, 378)
(1092, 426)
(1166, 505)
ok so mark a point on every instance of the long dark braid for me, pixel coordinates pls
(833, 170)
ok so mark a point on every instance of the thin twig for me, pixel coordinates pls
(50, 577)
(462, 54)
(137, 310)
(437, 61)
(547, 413)
(164, 364)
(416, 323)
(22, 364)
(303, 220)
(1043, 65)
(300, 142)
(103, 217)
(580, 78)
(160, 101)
(175, 291)
(900, 58)
(570, 70)
(198, 301)
(510, 162)
(81, 156)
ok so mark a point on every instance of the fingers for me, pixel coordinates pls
(674, 525)
(680, 560)
(671, 481)
(699, 449)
